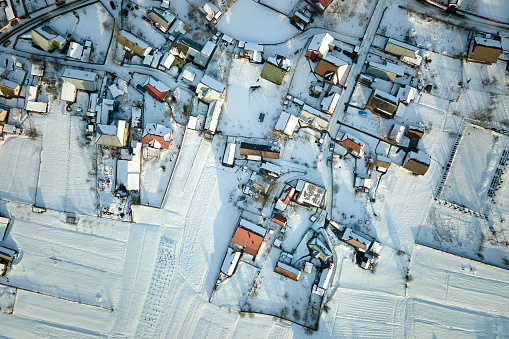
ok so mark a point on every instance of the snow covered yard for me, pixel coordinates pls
(492, 9)
(19, 165)
(426, 33)
(92, 23)
(245, 102)
(66, 178)
(249, 21)
(278, 295)
(349, 17)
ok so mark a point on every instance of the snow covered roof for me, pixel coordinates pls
(396, 132)
(407, 93)
(75, 50)
(32, 93)
(79, 74)
(208, 48)
(37, 69)
(325, 277)
(212, 83)
(230, 261)
(362, 243)
(157, 136)
(156, 88)
(134, 39)
(421, 157)
(311, 194)
(4, 223)
(115, 92)
(7, 253)
(329, 102)
(8, 83)
(270, 167)
(187, 75)
(34, 106)
(251, 46)
(252, 227)
(320, 43)
(167, 60)
(388, 67)
(287, 270)
(488, 42)
(386, 96)
(287, 123)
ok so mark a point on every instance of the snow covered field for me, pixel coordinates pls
(441, 270)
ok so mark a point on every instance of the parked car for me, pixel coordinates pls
(112, 4)
(7, 43)
(129, 6)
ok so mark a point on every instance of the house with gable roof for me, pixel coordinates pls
(157, 136)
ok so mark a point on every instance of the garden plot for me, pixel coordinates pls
(492, 9)
(84, 267)
(233, 291)
(249, 21)
(19, 165)
(388, 276)
(244, 103)
(350, 17)
(278, 295)
(66, 179)
(7, 299)
(156, 171)
(145, 31)
(429, 33)
(466, 235)
(484, 77)
(473, 168)
(444, 73)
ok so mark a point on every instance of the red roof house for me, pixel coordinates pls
(287, 194)
(156, 89)
(278, 219)
(157, 136)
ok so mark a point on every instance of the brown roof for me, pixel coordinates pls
(352, 145)
(379, 105)
(416, 167)
(356, 244)
(286, 273)
(485, 53)
(278, 219)
(3, 115)
(159, 96)
(248, 239)
(328, 71)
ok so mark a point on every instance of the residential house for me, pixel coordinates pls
(320, 4)
(415, 132)
(417, 162)
(209, 89)
(314, 117)
(75, 50)
(270, 169)
(287, 270)
(68, 92)
(82, 80)
(332, 69)
(177, 29)
(287, 123)
(279, 219)
(320, 45)
(353, 144)
(360, 241)
(37, 69)
(193, 52)
(9, 89)
(387, 71)
(406, 94)
(211, 92)
(310, 195)
(113, 135)
(382, 163)
(397, 131)
(47, 39)
(157, 136)
(133, 44)
(484, 48)
(325, 279)
(275, 69)
(163, 19)
(329, 102)
(300, 20)
(264, 151)
(249, 236)
(401, 49)
(128, 170)
(156, 89)
(230, 262)
(4, 114)
(254, 52)
(212, 13)
(32, 105)
(7, 256)
(383, 103)
(319, 249)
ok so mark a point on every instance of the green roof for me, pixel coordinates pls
(273, 73)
